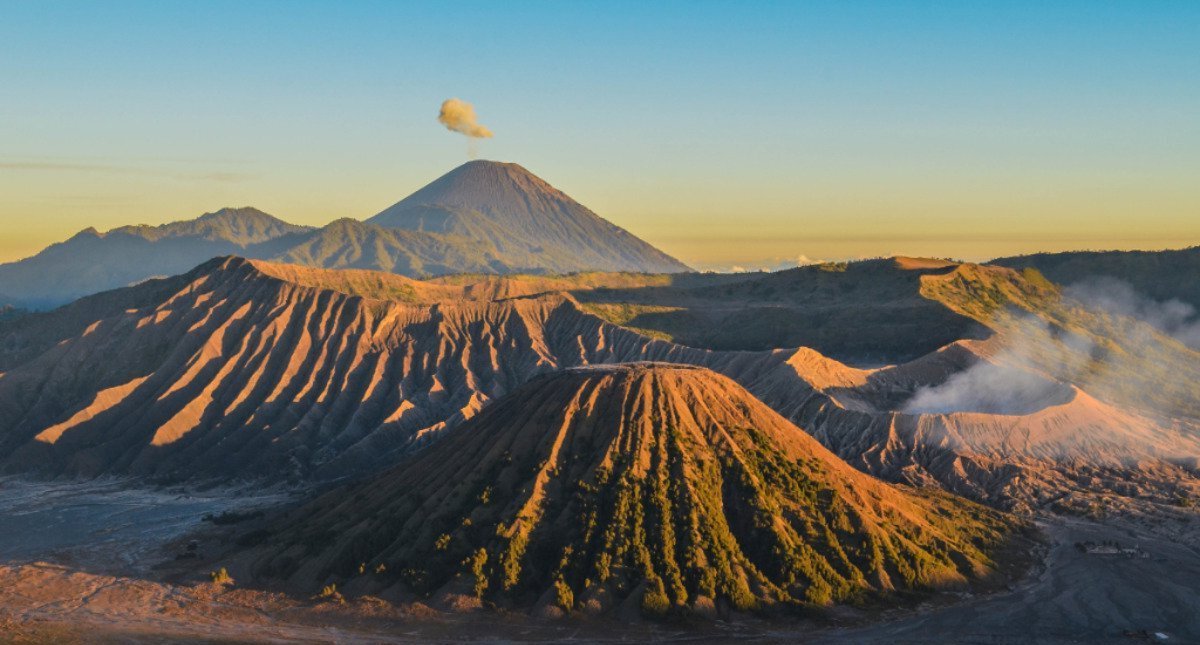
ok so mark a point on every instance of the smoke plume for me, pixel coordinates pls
(988, 387)
(459, 116)
(1116, 297)
(1113, 343)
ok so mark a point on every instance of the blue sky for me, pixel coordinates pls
(727, 133)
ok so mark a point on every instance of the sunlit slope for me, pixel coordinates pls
(244, 368)
(668, 485)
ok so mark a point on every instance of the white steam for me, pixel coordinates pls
(990, 388)
(1123, 356)
(1116, 297)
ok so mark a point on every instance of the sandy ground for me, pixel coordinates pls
(1073, 597)
(77, 564)
(106, 525)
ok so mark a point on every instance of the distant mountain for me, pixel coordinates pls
(1161, 275)
(351, 244)
(640, 486)
(527, 222)
(91, 261)
(483, 217)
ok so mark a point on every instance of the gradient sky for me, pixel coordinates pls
(725, 133)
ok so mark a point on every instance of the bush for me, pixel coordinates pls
(563, 596)
(330, 592)
(655, 601)
(220, 577)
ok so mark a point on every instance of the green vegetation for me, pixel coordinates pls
(220, 577)
(687, 528)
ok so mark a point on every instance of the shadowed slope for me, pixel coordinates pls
(869, 312)
(1161, 275)
(669, 485)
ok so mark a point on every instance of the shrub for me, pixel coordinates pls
(330, 592)
(478, 560)
(220, 577)
(564, 598)
(655, 601)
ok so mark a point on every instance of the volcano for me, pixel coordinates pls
(483, 217)
(528, 222)
(664, 485)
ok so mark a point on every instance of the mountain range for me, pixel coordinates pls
(246, 369)
(510, 402)
(482, 217)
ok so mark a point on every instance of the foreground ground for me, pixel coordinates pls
(76, 565)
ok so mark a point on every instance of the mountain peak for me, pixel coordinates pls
(529, 222)
(239, 212)
(494, 187)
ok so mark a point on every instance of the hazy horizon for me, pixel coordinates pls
(819, 131)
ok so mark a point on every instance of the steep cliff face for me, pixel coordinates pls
(666, 485)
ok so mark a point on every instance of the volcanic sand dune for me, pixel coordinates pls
(596, 487)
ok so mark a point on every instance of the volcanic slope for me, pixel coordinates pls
(247, 368)
(253, 369)
(527, 222)
(597, 487)
(870, 312)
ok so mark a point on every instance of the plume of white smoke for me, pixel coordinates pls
(988, 387)
(1036, 358)
(1116, 297)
